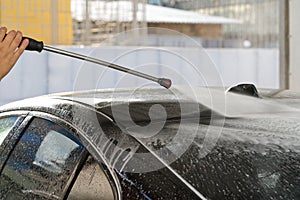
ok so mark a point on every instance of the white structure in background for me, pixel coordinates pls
(44, 73)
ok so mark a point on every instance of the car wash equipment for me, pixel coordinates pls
(39, 46)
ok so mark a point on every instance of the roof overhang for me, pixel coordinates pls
(122, 11)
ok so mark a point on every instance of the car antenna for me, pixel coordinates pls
(38, 46)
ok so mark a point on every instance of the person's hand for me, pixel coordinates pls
(10, 49)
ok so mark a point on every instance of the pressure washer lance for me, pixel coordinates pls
(39, 46)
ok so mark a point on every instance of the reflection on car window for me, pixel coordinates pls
(6, 124)
(91, 183)
(52, 159)
(41, 164)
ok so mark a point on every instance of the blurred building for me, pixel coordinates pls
(95, 21)
(214, 23)
(47, 20)
(260, 20)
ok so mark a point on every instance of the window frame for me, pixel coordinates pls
(13, 136)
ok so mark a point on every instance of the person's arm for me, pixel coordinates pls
(10, 49)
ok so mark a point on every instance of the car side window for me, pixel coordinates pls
(42, 163)
(91, 183)
(6, 125)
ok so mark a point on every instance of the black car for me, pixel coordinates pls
(151, 144)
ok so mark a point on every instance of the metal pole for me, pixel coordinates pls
(54, 22)
(284, 52)
(87, 24)
(294, 45)
(135, 21)
(100, 62)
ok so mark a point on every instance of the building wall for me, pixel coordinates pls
(47, 20)
(205, 31)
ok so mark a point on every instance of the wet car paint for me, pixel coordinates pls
(256, 157)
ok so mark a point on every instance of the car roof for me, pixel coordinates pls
(213, 99)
